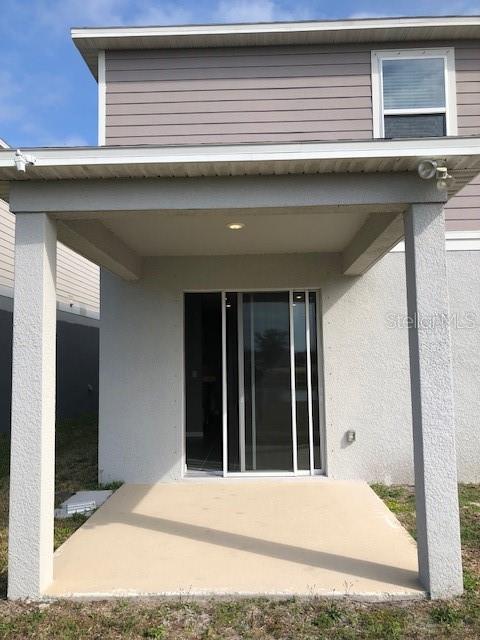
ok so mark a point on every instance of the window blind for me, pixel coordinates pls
(413, 83)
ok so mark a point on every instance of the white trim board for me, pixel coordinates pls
(249, 153)
(348, 157)
(89, 41)
(64, 314)
(353, 24)
(454, 241)
(102, 99)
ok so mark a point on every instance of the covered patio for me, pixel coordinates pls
(157, 221)
(240, 537)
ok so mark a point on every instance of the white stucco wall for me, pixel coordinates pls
(365, 361)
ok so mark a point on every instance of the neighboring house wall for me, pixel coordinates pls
(78, 280)
(5, 369)
(366, 366)
(77, 328)
(77, 365)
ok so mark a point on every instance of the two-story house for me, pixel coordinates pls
(248, 187)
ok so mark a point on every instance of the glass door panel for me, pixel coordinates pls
(271, 382)
(265, 417)
(203, 382)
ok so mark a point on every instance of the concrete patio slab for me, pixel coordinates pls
(308, 537)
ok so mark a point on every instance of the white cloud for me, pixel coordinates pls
(73, 141)
(365, 15)
(154, 13)
(262, 11)
(245, 11)
(12, 108)
(450, 8)
(27, 115)
(60, 15)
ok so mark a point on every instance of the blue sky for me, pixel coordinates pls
(48, 96)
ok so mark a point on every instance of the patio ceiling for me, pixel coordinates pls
(265, 231)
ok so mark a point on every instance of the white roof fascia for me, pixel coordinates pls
(274, 27)
(91, 40)
(255, 153)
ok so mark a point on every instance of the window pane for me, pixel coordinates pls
(415, 126)
(413, 83)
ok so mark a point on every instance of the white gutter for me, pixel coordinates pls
(274, 27)
(349, 150)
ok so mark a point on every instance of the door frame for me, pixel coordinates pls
(321, 395)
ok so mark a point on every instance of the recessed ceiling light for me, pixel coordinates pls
(235, 226)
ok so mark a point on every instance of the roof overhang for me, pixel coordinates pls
(461, 155)
(91, 40)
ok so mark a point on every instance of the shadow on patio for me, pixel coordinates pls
(266, 537)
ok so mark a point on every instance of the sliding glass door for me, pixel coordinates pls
(271, 390)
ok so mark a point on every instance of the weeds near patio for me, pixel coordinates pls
(252, 619)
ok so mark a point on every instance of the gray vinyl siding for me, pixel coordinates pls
(258, 94)
(268, 94)
(277, 94)
(467, 63)
(7, 240)
(78, 280)
(463, 211)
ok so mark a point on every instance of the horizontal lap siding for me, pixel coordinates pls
(262, 94)
(238, 95)
(7, 240)
(78, 279)
(467, 63)
(463, 211)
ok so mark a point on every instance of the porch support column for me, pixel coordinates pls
(30, 551)
(438, 529)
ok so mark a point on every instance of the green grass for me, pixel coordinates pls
(75, 469)
(251, 619)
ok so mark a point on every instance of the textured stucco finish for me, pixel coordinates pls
(436, 495)
(30, 551)
(366, 358)
(367, 385)
(141, 352)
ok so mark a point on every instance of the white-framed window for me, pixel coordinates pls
(414, 93)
